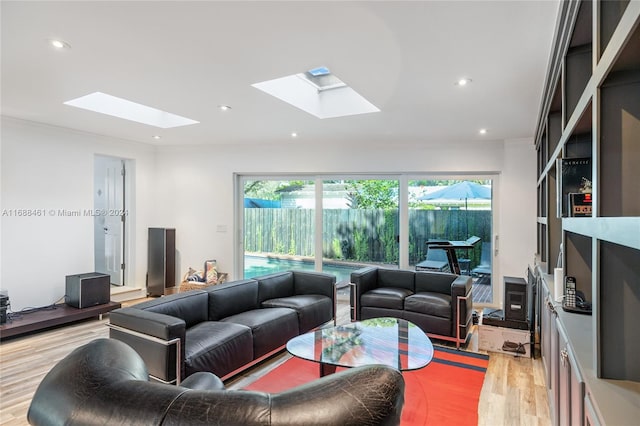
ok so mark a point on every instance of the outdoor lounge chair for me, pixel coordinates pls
(436, 261)
(483, 270)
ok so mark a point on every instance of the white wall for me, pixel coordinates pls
(197, 187)
(518, 207)
(191, 188)
(48, 169)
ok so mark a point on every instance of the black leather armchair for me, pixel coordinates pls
(105, 382)
(439, 303)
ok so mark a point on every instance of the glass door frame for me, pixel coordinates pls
(239, 180)
(496, 284)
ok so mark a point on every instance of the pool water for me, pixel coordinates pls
(255, 266)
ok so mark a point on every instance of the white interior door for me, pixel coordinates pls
(108, 220)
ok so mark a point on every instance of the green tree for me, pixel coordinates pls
(372, 194)
(291, 186)
(272, 189)
(263, 189)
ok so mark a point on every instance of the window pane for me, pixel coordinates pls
(453, 210)
(279, 226)
(360, 225)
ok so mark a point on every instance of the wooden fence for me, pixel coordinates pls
(361, 234)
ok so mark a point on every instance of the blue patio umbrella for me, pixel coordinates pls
(464, 190)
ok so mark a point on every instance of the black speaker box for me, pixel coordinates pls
(515, 299)
(4, 302)
(85, 290)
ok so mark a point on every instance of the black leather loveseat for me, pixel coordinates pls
(439, 303)
(106, 383)
(226, 327)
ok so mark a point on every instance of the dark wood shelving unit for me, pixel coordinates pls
(591, 109)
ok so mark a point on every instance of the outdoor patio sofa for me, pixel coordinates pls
(105, 382)
(224, 328)
(439, 303)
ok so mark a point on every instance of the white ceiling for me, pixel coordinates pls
(189, 57)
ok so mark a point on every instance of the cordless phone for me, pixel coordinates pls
(570, 292)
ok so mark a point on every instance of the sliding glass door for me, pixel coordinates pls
(457, 211)
(338, 224)
(278, 225)
(360, 225)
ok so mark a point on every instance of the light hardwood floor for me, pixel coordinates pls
(513, 393)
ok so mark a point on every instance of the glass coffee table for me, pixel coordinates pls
(391, 341)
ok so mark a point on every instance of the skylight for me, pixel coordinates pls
(122, 108)
(322, 79)
(319, 93)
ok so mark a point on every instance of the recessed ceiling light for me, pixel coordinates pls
(463, 82)
(156, 137)
(224, 107)
(294, 135)
(123, 108)
(483, 131)
(59, 44)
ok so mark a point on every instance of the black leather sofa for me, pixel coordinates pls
(226, 327)
(439, 303)
(105, 382)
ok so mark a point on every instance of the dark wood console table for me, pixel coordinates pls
(46, 318)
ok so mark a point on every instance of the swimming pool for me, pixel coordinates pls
(255, 266)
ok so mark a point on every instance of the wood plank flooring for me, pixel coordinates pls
(482, 293)
(513, 393)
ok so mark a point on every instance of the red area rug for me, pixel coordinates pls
(445, 392)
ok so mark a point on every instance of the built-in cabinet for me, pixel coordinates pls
(570, 383)
(565, 385)
(577, 396)
(591, 109)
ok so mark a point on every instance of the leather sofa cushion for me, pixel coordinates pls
(396, 278)
(190, 306)
(436, 304)
(436, 282)
(306, 282)
(371, 312)
(232, 298)
(434, 325)
(274, 286)
(271, 327)
(312, 309)
(217, 347)
(385, 297)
